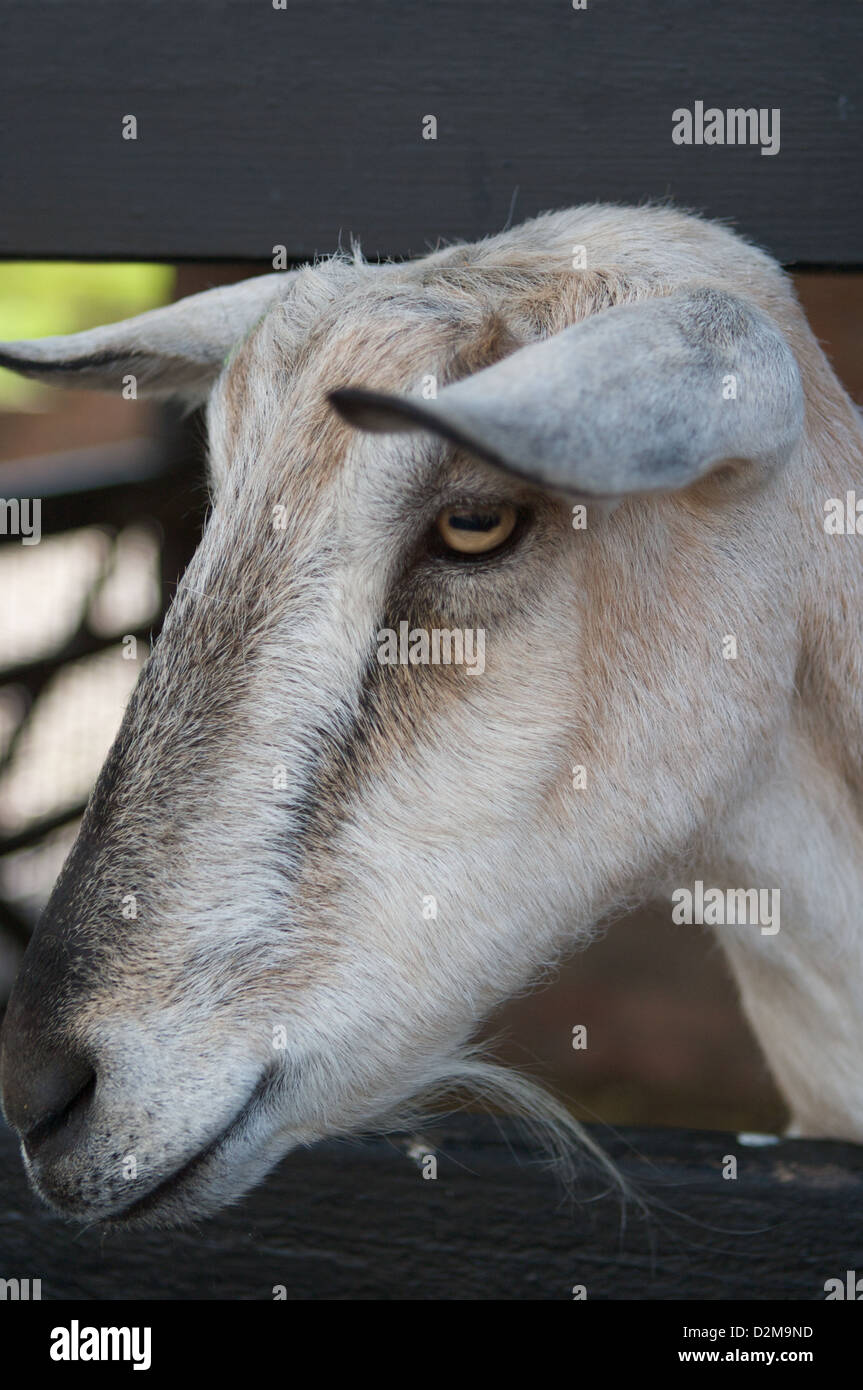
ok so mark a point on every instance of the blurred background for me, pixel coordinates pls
(123, 498)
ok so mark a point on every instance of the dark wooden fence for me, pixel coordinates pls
(359, 1221)
(260, 127)
(299, 126)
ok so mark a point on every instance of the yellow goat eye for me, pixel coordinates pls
(476, 530)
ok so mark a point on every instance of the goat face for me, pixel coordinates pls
(340, 864)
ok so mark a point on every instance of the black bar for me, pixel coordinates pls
(35, 674)
(37, 830)
(158, 1338)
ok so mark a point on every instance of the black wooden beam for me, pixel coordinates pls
(301, 126)
(359, 1221)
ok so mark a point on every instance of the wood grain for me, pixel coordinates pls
(358, 1221)
(302, 127)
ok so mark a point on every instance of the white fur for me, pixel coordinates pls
(603, 648)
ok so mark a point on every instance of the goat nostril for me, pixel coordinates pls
(60, 1096)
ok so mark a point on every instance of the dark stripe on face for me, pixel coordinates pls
(397, 705)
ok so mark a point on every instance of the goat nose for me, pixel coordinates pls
(46, 1093)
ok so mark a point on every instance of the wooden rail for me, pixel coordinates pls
(359, 1221)
(303, 125)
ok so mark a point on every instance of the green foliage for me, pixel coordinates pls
(38, 298)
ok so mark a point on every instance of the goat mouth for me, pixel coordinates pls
(171, 1191)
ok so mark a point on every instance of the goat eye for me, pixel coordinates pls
(476, 530)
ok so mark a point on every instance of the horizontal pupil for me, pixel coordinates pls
(475, 521)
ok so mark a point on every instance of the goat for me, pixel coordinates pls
(610, 463)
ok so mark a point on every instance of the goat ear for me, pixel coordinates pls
(640, 398)
(175, 351)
